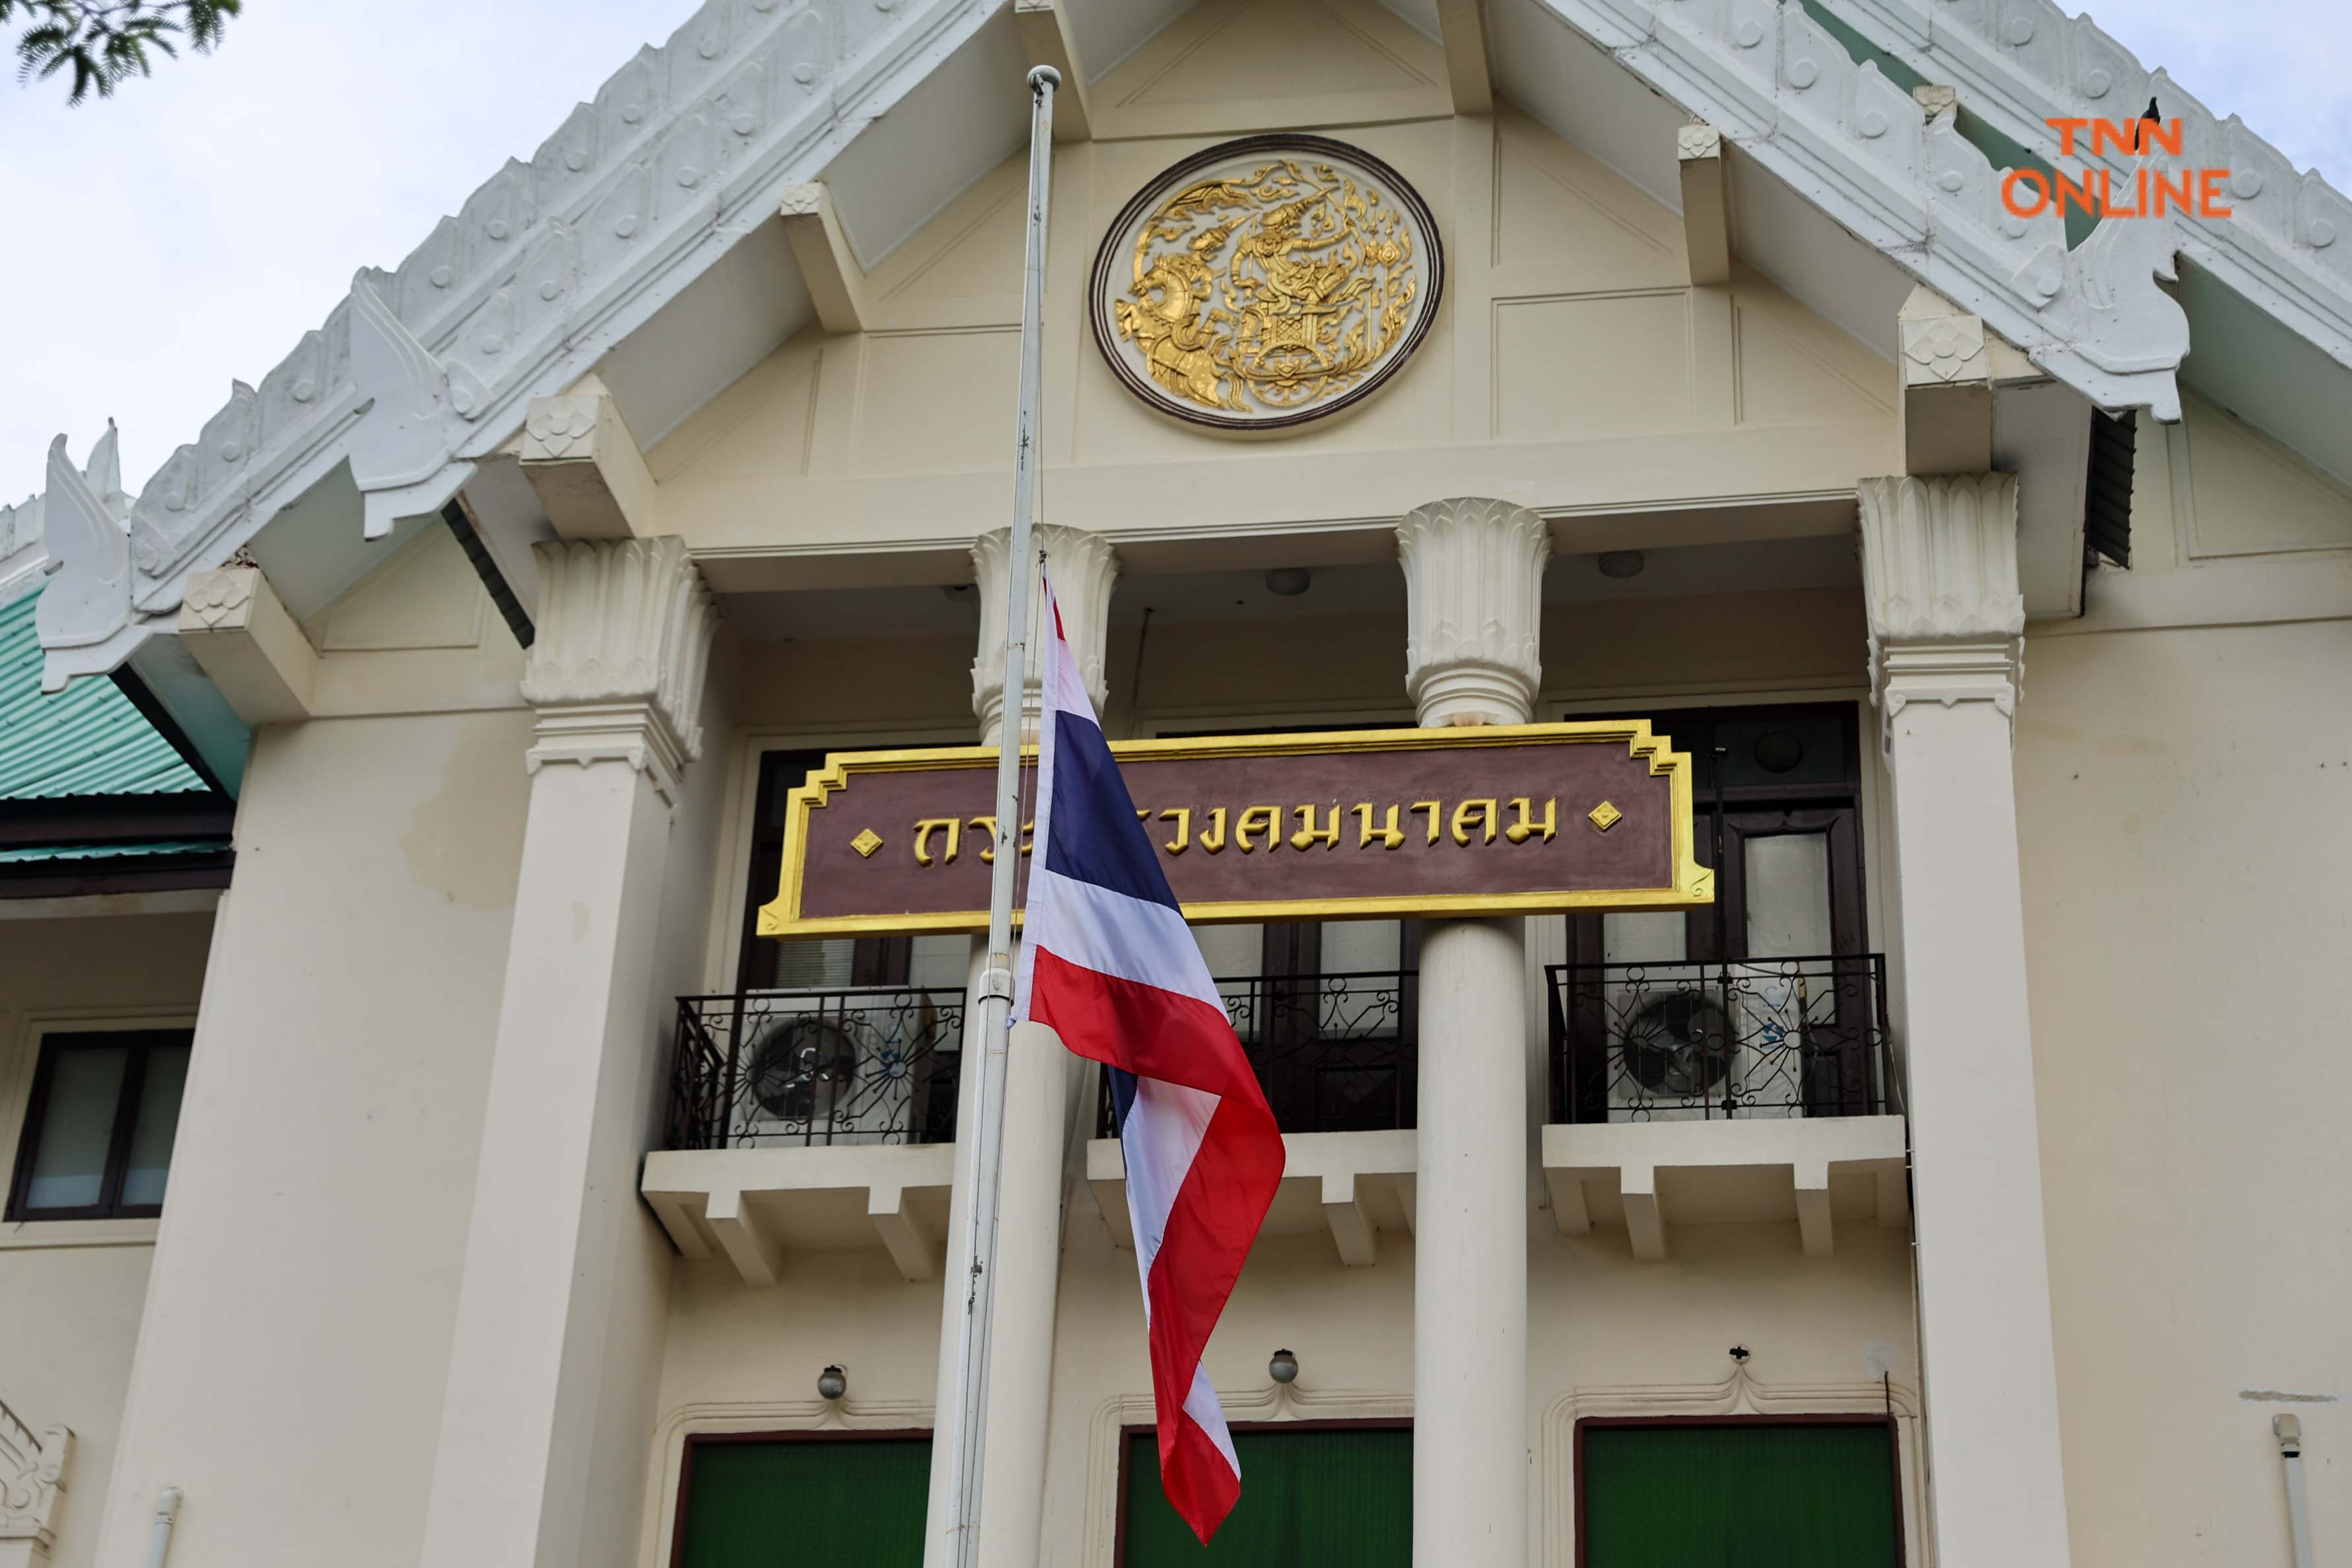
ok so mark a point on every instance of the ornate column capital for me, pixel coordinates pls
(624, 646)
(1473, 594)
(1085, 567)
(1939, 584)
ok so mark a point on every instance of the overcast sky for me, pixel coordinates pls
(192, 229)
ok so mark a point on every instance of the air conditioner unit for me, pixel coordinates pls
(815, 1079)
(1683, 1046)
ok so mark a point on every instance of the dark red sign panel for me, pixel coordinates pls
(1504, 819)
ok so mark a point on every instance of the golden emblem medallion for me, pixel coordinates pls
(1267, 282)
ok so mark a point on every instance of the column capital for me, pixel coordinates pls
(1939, 584)
(1085, 569)
(1473, 594)
(624, 628)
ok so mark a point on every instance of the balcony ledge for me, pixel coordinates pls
(750, 1206)
(1353, 1185)
(1647, 1175)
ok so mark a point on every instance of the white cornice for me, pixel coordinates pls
(425, 369)
(2287, 246)
(1861, 149)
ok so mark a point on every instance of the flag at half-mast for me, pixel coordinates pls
(1108, 964)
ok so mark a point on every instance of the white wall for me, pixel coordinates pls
(2183, 796)
(291, 1355)
(70, 1291)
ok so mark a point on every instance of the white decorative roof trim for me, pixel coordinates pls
(1858, 147)
(23, 557)
(2287, 246)
(425, 369)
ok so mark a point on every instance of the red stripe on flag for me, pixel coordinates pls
(1194, 1478)
(1219, 1206)
(1148, 1032)
(1216, 1216)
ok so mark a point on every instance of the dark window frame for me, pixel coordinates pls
(1724, 817)
(796, 1435)
(55, 1045)
(1886, 1420)
(1128, 1434)
(875, 961)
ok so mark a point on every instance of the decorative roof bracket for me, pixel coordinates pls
(425, 370)
(1778, 85)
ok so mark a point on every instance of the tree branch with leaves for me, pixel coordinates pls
(105, 42)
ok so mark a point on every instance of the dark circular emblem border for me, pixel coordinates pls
(1107, 255)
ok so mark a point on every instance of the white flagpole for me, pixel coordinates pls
(984, 1127)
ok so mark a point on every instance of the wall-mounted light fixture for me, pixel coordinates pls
(832, 1383)
(1283, 1367)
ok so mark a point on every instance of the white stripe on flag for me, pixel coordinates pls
(1201, 1404)
(1159, 1137)
(1111, 933)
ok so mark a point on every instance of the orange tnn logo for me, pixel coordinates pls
(2149, 192)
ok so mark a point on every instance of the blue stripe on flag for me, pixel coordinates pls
(1092, 835)
(1122, 1098)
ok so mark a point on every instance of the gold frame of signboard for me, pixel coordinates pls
(1693, 885)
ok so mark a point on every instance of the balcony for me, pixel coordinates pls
(792, 1069)
(820, 1120)
(1339, 1058)
(1751, 1090)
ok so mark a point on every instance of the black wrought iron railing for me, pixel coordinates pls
(766, 1069)
(1749, 1037)
(1335, 1054)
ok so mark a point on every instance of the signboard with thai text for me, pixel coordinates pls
(1500, 820)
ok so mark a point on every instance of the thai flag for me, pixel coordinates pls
(1108, 964)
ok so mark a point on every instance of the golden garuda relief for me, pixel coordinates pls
(1267, 282)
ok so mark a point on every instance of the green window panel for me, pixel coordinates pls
(838, 1503)
(1329, 1497)
(1748, 1495)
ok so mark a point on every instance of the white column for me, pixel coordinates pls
(617, 674)
(1084, 568)
(1940, 563)
(1042, 1083)
(1473, 575)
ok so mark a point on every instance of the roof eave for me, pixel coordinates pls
(1863, 152)
(425, 371)
(2284, 246)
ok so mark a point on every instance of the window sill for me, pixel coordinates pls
(25, 1235)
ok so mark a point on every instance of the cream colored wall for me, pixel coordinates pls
(70, 1291)
(637, 1325)
(1610, 1334)
(2184, 768)
(1717, 645)
(1603, 1329)
(1572, 367)
(307, 1267)
(293, 1346)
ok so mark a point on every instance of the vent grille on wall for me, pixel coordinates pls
(2107, 498)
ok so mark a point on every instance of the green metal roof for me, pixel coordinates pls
(42, 853)
(88, 739)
